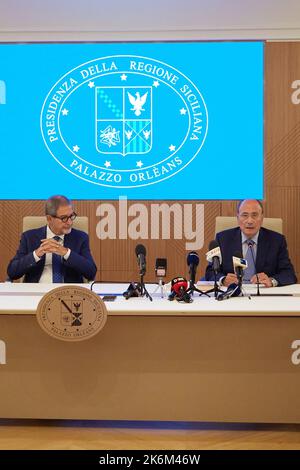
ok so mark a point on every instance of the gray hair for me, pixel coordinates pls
(54, 202)
(243, 200)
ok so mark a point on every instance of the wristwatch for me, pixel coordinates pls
(274, 282)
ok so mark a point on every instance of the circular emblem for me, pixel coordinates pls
(124, 121)
(71, 313)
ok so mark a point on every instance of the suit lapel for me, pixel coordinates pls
(234, 247)
(262, 249)
(68, 240)
(237, 243)
(40, 235)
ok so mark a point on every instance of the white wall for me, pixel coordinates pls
(76, 20)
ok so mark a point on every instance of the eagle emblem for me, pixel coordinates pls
(137, 102)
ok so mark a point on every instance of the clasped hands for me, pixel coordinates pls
(49, 245)
(262, 279)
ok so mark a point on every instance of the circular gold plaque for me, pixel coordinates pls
(71, 313)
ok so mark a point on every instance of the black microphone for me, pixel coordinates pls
(161, 267)
(179, 292)
(233, 290)
(140, 252)
(214, 256)
(192, 262)
(133, 290)
(250, 247)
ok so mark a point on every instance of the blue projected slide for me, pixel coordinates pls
(142, 120)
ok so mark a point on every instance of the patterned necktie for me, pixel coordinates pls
(250, 270)
(57, 265)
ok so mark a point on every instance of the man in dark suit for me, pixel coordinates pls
(269, 249)
(56, 252)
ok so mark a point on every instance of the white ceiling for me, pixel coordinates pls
(148, 19)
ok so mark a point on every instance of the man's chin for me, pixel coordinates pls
(66, 231)
(250, 231)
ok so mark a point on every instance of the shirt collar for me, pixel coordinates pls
(50, 234)
(254, 238)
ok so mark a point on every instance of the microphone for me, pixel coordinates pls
(192, 262)
(161, 267)
(140, 252)
(179, 287)
(214, 256)
(250, 247)
(239, 264)
(133, 290)
(233, 290)
(161, 271)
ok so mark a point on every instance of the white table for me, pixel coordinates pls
(18, 298)
(160, 360)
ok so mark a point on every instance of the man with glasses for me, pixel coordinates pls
(56, 252)
(265, 250)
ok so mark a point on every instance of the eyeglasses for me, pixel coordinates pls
(65, 218)
(253, 215)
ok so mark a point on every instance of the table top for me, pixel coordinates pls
(21, 298)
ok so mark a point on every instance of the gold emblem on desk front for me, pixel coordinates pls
(71, 313)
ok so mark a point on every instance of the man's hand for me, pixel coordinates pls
(262, 279)
(49, 245)
(230, 279)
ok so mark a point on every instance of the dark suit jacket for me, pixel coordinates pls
(272, 255)
(80, 263)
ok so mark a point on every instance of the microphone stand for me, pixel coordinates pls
(257, 280)
(192, 288)
(160, 286)
(240, 273)
(142, 287)
(250, 245)
(136, 289)
(216, 288)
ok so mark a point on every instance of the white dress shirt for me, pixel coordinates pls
(46, 276)
(245, 244)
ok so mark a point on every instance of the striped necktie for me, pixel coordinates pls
(250, 270)
(57, 275)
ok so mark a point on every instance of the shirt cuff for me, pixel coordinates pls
(66, 256)
(37, 259)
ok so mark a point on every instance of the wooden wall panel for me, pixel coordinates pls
(116, 258)
(282, 141)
